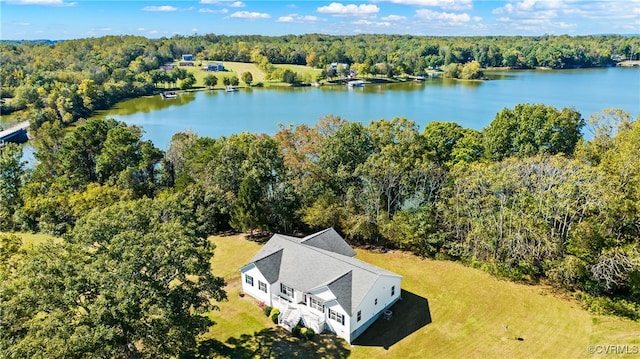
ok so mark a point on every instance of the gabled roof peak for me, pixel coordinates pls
(329, 240)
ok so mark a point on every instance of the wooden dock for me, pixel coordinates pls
(15, 134)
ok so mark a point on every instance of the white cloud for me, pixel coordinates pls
(616, 14)
(230, 3)
(141, 29)
(555, 16)
(338, 9)
(446, 17)
(207, 10)
(528, 6)
(59, 3)
(393, 18)
(372, 23)
(297, 18)
(22, 23)
(164, 8)
(250, 15)
(445, 4)
(287, 18)
(211, 11)
(194, 30)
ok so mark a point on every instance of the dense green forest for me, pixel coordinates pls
(528, 198)
(67, 80)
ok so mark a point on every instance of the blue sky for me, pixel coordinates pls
(67, 19)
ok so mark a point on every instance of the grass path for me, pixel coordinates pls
(468, 309)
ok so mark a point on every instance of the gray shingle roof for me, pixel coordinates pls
(342, 289)
(305, 267)
(329, 240)
(269, 266)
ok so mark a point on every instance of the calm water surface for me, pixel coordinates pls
(471, 104)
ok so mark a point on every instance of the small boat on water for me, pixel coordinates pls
(230, 89)
(168, 94)
(355, 83)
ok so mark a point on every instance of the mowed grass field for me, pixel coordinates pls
(232, 69)
(304, 72)
(238, 68)
(448, 311)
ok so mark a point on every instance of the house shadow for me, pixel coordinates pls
(274, 343)
(409, 315)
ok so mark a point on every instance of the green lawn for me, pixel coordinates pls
(303, 71)
(448, 311)
(238, 68)
(232, 69)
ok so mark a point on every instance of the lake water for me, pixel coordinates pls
(471, 104)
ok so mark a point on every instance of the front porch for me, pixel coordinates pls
(292, 314)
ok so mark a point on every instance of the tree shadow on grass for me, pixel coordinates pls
(275, 343)
(409, 314)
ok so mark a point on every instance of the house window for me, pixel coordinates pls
(262, 286)
(286, 290)
(248, 279)
(375, 302)
(393, 290)
(316, 304)
(336, 316)
(359, 315)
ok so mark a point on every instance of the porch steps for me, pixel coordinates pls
(289, 318)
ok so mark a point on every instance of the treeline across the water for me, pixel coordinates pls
(526, 198)
(68, 80)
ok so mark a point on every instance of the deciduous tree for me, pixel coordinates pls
(129, 281)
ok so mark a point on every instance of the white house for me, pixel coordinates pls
(316, 281)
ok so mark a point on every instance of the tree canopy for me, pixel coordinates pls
(127, 282)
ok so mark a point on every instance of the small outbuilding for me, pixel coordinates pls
(214, 67)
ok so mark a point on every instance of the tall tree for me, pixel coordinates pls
(210, 81)
(528, 129)
(11, 176)
(248, 213)
(247, 78)
(128, 282)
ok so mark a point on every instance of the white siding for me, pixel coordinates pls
(381, 291)
(253, 290)
(341, 330)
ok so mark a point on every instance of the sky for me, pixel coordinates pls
(67, 19)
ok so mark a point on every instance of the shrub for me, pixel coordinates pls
(303, 332)
(296, 330)
(610, 306)
(267, 310)
(310, 333)
(275, 312)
